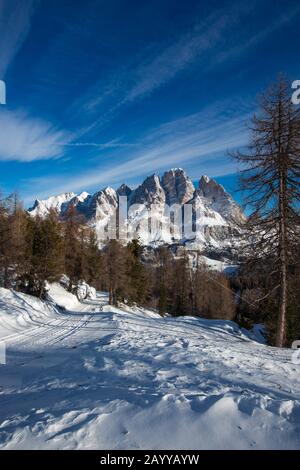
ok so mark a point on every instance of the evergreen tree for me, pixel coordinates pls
(115, 257)
(45, 253)
(73, 247)
(137, 287)
(12, 240)
(93, 266)
(163, 280)
(5, 252)
(181, 289)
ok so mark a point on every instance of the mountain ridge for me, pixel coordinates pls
(218, 215)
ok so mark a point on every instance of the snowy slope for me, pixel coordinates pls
(101, 377)
(42, 207)
(19, 312)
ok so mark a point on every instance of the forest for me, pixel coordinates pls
(264, 289)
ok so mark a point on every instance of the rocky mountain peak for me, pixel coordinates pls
(149, 192)
(220, 200)
(106, 195)
(124, 190)
(41, 207)
(178, 187)
(218, 215)
(209, 188)
(103, 203)
(80, 200)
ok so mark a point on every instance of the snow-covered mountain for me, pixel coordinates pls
(61, 203)
(215, 216)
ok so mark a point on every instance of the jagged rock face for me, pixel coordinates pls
(81, 203)
(60, 203)
(209, 188)
(82, 198)
(103, 204)
(149, 192)
(178, 187)
(124, 190)
(216, 213)
(220, 200)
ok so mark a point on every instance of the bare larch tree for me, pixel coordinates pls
(270, 171)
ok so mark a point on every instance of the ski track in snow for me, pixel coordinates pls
(98, 377)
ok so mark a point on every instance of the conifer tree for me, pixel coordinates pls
(115, 257)
(45, 254)
(93, 267)
(163, 280)
(12, 240)
(137, 286)
(73, 247)
(5, 255)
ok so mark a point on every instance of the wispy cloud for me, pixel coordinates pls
(210, 42)
(25, 139)
(105, 145)
(182, 142)
(255, 39)
(163, 67)
(15, 20)
(158, 65)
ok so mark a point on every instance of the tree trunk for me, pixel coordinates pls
(110, 300)
(6, 278)
(281, 325)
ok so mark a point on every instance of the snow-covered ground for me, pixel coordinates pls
(96, 377)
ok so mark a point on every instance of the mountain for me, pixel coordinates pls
(220, 200)
(215, 216)
(149, 192)
(60, 203)
(178, 187)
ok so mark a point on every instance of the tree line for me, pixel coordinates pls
(266, 287)
(34, 251)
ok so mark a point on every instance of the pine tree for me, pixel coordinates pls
(163, 281)
(45, 253)
(73, 247)
(137, 287)
(93, 260)
(115, 257)
(12, 240)
(5, 253)
(182, 288)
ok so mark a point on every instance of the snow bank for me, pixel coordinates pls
(126, 378)
(60, 296)
(19, 311)
(85, 291)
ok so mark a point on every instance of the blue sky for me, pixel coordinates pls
(101, 92)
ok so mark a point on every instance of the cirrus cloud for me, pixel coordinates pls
(15, 23)
(26, 139)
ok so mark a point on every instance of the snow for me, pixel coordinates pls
(84, 291)
(42, 207)
(19, 312)
(92, 376)
(206, 178)
(83, 196)
(217, 265)
(218, 216)
(60, 203)
(59, 296)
